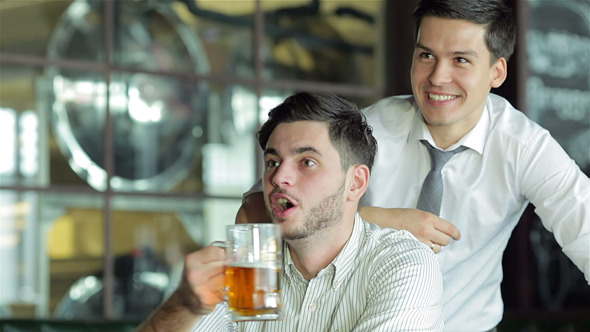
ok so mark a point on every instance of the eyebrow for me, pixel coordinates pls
(296, 151)
(455, 53)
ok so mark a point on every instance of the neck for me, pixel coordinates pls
(312, 254)
(443, 137)
(447, 135)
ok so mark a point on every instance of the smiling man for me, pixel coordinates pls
(452, 73)
(497, 160)
(340, 273)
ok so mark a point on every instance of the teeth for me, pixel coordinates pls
(440, 97)
(282, 202)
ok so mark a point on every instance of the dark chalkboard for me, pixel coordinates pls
(558, 98)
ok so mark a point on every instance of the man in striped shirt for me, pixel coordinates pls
(340, 273)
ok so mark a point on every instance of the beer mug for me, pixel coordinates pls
(252, 273)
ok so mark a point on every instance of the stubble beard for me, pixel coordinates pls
(320, 216)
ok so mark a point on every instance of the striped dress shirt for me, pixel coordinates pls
(382, 280)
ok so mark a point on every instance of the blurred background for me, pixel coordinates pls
(127, 138)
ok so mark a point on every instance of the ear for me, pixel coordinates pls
(360, 176)
(499, 72)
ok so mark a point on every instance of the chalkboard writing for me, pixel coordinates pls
(558, 86)
(558, 98)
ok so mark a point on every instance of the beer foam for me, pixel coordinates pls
(257, 265)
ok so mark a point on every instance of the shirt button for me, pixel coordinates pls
(312, 307)
(336, 284)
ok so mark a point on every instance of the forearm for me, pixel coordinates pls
(172, 315)
(428, 228)
(381, 217)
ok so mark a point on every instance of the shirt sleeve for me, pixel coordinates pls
(216, 321)
(405, 291)
(560, 192)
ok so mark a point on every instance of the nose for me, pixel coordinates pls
(441, 74)
(283, 176)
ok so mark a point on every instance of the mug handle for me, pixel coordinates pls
(224, 245)
(220, 244)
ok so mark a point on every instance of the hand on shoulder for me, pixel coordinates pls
(425, 226)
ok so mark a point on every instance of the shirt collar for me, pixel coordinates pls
(345, 262)
(474, 139)
(343, 265)
(290, 270)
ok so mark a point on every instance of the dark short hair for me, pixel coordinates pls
(495, 15)
(347, 127)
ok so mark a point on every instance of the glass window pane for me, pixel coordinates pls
(152, 36)
(151, 237)
(79, 33)
(46, 244)
(30, 155)
(159, 127)
(336, 42)
(224, 30)
(76, 103)
(51, 28)
(73, 235)
(229, 156)
(201, 37)
(217, 214)
(20, 289)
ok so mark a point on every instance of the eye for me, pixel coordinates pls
(271, 164)
(462, 60)
(308, 162)
(426, 55)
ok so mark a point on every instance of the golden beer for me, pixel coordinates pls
(254, 255)
(253, 290)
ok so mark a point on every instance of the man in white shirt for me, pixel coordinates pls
(462, 49)
(341, 273)
(461, 52)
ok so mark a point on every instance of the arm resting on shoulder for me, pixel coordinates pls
(425, 226)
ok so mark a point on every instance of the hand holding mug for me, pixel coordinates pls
(252, 274)
(203, 284)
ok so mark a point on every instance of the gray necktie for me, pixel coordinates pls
(432, 189)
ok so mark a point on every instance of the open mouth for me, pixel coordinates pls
(284, 204)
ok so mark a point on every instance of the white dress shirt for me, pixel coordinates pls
(382, 280)
(510, 161)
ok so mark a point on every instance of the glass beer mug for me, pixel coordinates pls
(252, 274)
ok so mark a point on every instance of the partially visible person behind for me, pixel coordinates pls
(340, 273)
(501, 161)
